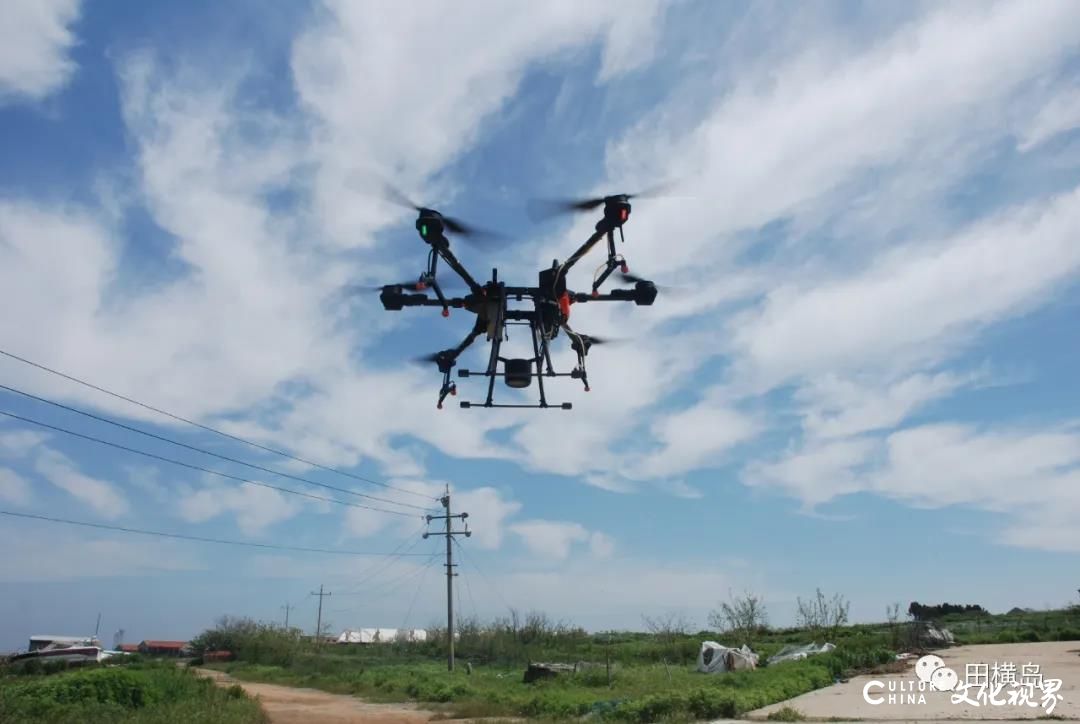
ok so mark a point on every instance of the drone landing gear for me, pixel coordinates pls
(428, 279)
(518, 373)
(614, 261)
(448, 358)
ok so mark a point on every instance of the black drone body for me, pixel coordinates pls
(550, 303)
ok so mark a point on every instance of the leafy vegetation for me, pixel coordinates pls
(652, 674)
(130, 693)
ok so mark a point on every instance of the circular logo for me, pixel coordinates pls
(926, 666)
(944, 679)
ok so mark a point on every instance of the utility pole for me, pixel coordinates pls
(318, 624)
(449, 569)
(287, 607)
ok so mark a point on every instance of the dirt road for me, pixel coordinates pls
(291, 705)
(1057, 660)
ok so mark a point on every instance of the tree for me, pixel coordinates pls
(741, 616)
(821, 613)
(892, 615)
(668, 628)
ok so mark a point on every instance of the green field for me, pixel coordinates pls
(132, 693)
(653, 674)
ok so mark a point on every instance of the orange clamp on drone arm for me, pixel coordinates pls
(564, 304)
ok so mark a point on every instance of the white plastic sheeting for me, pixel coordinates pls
(381, 635)
(795, 653)
(714, 658)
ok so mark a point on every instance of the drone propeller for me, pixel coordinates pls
(456, 226)
(602, 340)
(543, 208)
(426, 358)
(634, 279)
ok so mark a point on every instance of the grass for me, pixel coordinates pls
(653, 675)
(786, 713)
(140, 693)
(639, 693)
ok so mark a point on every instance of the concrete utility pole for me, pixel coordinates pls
(287, 607)
(318, 625)
(449, 569)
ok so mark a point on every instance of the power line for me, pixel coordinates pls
(384, 588)
(416, 595)
(381, 566)
(222, 433)
(199, 468)
(199, 539)
(490, 585)
(468, 588)
(207, 452)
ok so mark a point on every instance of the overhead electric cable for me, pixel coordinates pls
(226, 458)
(381, 566)
(199, 468)
(465, 578)
(214, 430)
(491, 586)
(199, 539)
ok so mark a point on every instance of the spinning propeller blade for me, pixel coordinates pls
(634, 279)
(456, 226)
(426, 358)
(543, 208)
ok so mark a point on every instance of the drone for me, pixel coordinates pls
(546, 314)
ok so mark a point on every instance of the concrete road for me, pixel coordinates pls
(898, 696)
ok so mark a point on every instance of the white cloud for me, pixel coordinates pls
(792, 140)
(601, 545)
(488, 511)
(917, 304)
(1027, 474)
(550, 538)
(35, 554)
(679, 488)
(834, 406)
(1060, 114)
(408, 88)
(102, 496)
(694, 438)
(19, 443)
(35, 41)
(816, 473)
(13, 487)
(256, 508)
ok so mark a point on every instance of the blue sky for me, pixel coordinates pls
(870, 390)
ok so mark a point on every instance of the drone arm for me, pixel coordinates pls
(393, 299)
(443, 250)
(447, 358)
(582, 251)
(643, 294)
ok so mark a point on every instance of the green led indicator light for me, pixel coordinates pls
(423, 230)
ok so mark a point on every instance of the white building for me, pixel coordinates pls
(381, 635)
